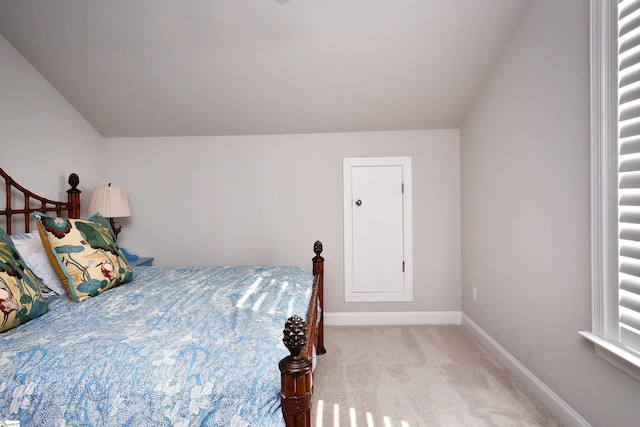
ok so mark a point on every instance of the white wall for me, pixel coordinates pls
(525, 212)
(42, 138)
(266, 199)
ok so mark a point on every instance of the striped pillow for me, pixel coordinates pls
(29, 246)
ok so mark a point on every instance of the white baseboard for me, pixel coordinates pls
(393, 318)
(564, 413)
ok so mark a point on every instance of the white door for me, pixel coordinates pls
(377, 219)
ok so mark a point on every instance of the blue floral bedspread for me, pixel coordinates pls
(175, 347)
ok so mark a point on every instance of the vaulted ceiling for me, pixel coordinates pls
(225, 67)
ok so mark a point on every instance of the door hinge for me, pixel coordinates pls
(403, 266)
(402, 188)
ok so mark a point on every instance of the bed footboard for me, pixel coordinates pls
(304, 338)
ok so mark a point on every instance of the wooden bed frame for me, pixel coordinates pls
(304, 337)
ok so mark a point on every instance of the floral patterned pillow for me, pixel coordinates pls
(84, 254)
(20, 296)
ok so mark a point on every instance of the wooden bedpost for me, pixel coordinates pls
(318, 270)
(296, 378)
(73, 196)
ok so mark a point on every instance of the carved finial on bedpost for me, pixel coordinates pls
(73, 195)
(295, 375)
(74, 180)
(317, 248)
(295, 335)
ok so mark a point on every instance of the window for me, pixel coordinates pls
(615, 99)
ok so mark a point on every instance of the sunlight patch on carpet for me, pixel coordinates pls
(353, 418)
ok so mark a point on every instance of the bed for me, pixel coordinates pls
(155, 346)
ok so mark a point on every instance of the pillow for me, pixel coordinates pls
(84, 254)
(20, 297)
(30, 248)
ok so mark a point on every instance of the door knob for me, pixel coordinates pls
(358, 202)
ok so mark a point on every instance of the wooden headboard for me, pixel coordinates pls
(31, 202)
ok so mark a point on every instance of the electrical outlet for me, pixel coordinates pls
(474, 293)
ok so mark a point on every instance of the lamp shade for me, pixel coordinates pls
(110, 202)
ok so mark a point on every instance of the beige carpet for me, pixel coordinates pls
(412, 376)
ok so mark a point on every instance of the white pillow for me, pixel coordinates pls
(30, 248)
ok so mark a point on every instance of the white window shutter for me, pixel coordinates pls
(629, 172)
